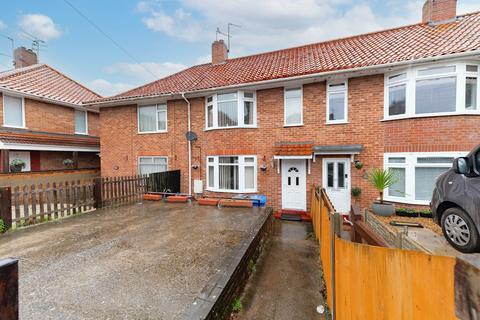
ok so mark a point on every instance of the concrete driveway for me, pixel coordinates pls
(138, 262)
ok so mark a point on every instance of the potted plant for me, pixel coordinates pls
(381, 179)
(426, 213)
(406, 212)
(356, 193)
(17, 165)
(358, 164)
(68, 162)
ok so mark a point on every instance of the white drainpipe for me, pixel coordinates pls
(189, 147)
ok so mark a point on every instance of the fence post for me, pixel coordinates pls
(333, 226)
(9, 289)
(6, 206)
(97, 194)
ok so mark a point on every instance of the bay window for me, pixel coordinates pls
(13, 111)
(152, 118)
(293, 107)
(147, 165)
(232, 173)
(431, 91)
(230, 110)
(416, 174)
(337, 103)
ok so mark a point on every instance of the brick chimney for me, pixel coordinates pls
(24, 57)
(437, 11)
(219, 52)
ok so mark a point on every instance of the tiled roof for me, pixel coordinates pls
(43, 81)
(303, 148)
(395, 45)
(31, 137)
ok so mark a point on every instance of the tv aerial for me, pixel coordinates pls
(228, 35)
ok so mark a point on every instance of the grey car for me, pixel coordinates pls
(456, 203)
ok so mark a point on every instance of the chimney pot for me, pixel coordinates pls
(435, 11)
(24, 57)
(219, 52)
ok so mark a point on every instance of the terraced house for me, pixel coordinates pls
(280, 122)
(42, 119)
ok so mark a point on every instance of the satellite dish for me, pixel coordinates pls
(191, 136)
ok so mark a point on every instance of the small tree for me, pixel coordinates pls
(356, 193)
(381, 179)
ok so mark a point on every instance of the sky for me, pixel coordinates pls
(133, 42)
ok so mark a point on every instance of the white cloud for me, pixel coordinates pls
(107, 88)
(2, 25)
(145, 71)
(274, 24)
(203, 59)
(40, 25)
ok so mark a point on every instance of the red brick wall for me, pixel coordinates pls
(48, 117)
(439, 10)
(121, 144)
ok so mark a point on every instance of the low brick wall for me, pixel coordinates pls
(216, 298)
(392, 237)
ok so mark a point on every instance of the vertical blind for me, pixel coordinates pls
(13, 112)
(147, 118)
(293, 106)
(80, 121)
(228, 173)
(227, 110)
(149, 165)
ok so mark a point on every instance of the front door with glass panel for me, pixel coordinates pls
(336, 181)
(294, 185)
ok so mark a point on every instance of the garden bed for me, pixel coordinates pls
(426, 222)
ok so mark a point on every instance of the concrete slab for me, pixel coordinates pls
(140, 262)
(286, 284)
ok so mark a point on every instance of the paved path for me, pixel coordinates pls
(286, 284)
(137, 262)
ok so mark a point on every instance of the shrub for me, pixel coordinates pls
(356, 192)
(3, 227)
(237, 305)
(381, 179)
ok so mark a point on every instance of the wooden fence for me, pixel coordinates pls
(33, 204)
(123, 190)
(370, 282)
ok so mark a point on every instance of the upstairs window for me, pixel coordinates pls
(337, 103)
(230, 110)
(81, 126)
(152, 118)
(293, 107)
(431, 91)
(13, 112)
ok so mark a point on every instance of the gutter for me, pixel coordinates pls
(300, 77)
(189, 147)
(49, 100)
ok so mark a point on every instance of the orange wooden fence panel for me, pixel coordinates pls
(388, 283)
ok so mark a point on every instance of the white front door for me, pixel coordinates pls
(294, 184)
(336, 181)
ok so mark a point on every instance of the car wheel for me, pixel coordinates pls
(460, 231)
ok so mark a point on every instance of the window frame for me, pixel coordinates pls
(285, 89)
(345, 103)
(23, 126)
(150, 157)
(86, 122)
(240, 110)
(410, 164)
(156, 117)
(241, 173)
(412, 77)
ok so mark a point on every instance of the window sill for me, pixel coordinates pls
(82, 133)
(152, 132)
(16, 127)
(293, 125)
(230, 191)
(429, 115)
(227, 128)
(339, 122)
(407, 201)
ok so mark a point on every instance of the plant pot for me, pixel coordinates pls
(383, 209)
(426, 215)
(16, 169)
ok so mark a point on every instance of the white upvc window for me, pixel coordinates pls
(293, 106)
(152, 164)
(81, 122)
(13, 111)
(235, 109)
(152, 118)
(416, 174)
(234, 174)
(434, 90)
(337, 102)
